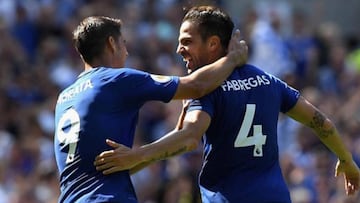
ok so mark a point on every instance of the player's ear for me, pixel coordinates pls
(111, 43)
(214, 42)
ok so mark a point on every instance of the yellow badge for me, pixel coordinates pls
(160, 78)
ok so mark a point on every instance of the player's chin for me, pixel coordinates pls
(190, 67)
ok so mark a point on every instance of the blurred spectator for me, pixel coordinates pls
(268, 45)
(303, 49)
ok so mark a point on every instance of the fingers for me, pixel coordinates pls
(118, 147)
(111, 170)
(238, 49)
(101, 167)
(237, 35)
(337, 173)
(112, 143)
(350, 188)
(109, 161)
(337, 169)
(351, 185)
(105, 154)
(108, 169)
(102, 158)
(237, 43)
(108, 166)
(243, 44)
(236, 39)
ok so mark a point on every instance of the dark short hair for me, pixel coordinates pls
(211, 21)
(91, 35)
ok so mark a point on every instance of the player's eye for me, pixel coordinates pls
(186, 42)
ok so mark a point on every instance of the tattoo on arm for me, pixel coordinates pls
(169, 154)
(317, 124)
(163, 156)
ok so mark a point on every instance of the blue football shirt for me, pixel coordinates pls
(103, 103)
(240, 146)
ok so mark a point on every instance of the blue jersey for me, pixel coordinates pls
(240, 146)
(103, 103)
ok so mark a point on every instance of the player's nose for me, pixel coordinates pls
(180, 49)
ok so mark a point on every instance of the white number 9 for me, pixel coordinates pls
(67, 132)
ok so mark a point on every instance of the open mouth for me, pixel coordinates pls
(187, 61)
(188, 64)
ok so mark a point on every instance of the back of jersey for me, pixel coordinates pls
(241, 151)
(102, 104)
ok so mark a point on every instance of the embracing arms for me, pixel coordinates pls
(209, 77)
(174, 143)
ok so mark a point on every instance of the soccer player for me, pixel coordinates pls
(237, 123)
(104, 102)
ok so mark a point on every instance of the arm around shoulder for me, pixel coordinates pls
(205, 79)
(209, 77)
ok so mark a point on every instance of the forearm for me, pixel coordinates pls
(306, 113)
(140, 166)
(176, 142)
(212, 76)
(172, 144)
(205, 79)
(152, 158)
(328, 134)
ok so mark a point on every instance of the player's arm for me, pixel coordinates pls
(206, 79)
(307, 114)
(178, 127)
(174, 143)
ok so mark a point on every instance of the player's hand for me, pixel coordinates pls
(119, 159)
(351, 175)
(238, 49)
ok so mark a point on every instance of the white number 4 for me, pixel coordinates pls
(257, 140)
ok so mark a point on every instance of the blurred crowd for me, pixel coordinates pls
(38, 60)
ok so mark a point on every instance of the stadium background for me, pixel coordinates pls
(313, 44)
